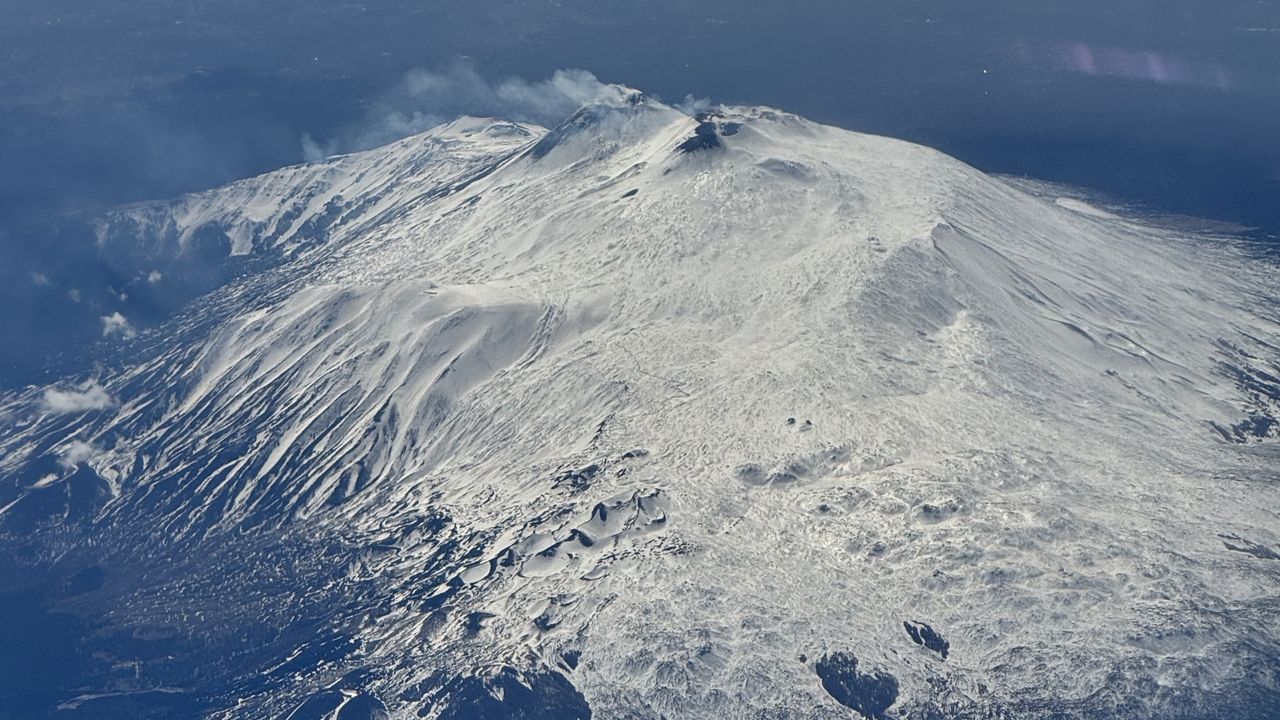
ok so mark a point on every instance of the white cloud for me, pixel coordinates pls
(77, 452)
(89, 396)
(314, 151)
(154, 277)
(41, 279)
(550, 101)
(117, 324)
(693, 105)
(424, 99)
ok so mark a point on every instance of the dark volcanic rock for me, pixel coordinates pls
(704, 138)
(925, 636)
(505, 694)
(579, 479)
(338, 704)
(1239, 544)
(871, 694)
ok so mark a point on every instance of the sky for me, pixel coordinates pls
(1168, 105)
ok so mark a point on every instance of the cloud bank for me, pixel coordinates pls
(89, 396)
(77, 452)
(117, 324)
(424, 99)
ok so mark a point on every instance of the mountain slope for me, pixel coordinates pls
(657, 416)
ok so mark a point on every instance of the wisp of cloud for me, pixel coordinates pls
(89, 396)
(424, 99)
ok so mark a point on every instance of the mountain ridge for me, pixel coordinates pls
(650, 425)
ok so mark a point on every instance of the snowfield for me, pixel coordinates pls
(658, 416)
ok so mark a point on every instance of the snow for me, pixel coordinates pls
(874, 386)
(1084, 208)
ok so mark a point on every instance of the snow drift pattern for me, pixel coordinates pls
(650, 415)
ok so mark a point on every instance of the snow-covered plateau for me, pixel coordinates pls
(656, 416)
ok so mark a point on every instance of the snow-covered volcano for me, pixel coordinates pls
(658, 416)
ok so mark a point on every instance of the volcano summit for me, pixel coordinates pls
(659, 416)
